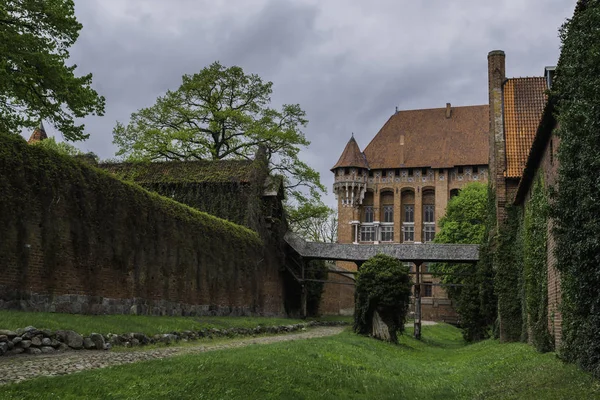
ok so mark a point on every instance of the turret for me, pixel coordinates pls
(351, 174)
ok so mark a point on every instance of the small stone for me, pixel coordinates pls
(134, 342)
(25, 344)
(17, 340)
(3, 348)
(36, 341)
(8, 333)
(46, 341)
(30, 329)
(107, 346)
(47, 349)
(34, 350)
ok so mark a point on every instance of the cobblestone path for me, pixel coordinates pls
(23, 367)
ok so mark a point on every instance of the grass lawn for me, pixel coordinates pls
(86, 324)
(339, 367)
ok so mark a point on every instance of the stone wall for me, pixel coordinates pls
(75, 239)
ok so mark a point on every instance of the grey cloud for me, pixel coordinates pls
(347, 63)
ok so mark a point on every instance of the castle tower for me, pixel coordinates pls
(38, 135)
(350, 185)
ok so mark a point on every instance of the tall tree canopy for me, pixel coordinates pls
(35, 83)
(222, 113)
(465, 222)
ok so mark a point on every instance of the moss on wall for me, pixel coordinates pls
(66, 227)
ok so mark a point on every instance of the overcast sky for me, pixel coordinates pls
(348, 63)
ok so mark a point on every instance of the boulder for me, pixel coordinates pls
(17, 340)
(98, 341)
(71, 339)
(34, 350)
(88, 344)
(47, 349)
(26, 344)
(36, 341)
(46, 341)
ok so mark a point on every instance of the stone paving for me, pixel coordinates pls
(22, 367)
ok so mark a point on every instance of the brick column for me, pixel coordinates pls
(497, 156)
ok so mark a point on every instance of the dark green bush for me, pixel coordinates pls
(383, 286)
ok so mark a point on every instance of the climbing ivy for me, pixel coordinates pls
(576, 208)
(535, 266)
(508, 261)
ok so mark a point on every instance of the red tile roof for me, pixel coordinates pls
(351, 156)
(427, 138)
(524, 101)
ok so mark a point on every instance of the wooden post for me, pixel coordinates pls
(304, 296)
(418, 300)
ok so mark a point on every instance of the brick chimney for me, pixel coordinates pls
(497, 155)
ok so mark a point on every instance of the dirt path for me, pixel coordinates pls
(23, 367)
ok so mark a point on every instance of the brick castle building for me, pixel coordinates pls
(397, 189)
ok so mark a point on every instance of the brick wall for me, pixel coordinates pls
(337, 299)
(75, 239)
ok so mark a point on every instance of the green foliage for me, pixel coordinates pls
(576, 208)
(508, 260)
(95, 213)
(62, 147)
(465, 222)
(317, 269)
(35, 83)
(382, 285)
(535, 267)
(222, 113)
(343, 366)
(315, 222)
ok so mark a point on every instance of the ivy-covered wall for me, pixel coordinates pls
(521, 260)
(74, 238)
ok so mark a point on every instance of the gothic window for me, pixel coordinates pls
(409, 213)
(368, 214)
(388, 213)
(387, 233)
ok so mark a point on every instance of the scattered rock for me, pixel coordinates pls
(88, 344)
(71, 338)
(98, 340)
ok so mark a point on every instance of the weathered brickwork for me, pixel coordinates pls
(338, 297)
(75, 239)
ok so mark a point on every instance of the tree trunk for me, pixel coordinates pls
(381, 330)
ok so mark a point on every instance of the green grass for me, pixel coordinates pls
(86, 324)
(339, 367)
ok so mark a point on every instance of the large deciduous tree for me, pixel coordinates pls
(222, 113)
(35, 83)
(467, 216)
